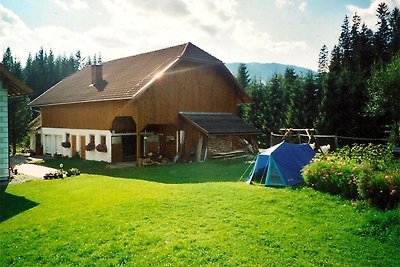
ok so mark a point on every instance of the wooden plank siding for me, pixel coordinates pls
(93, 115)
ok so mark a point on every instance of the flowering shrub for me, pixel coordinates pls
(90, 146)
(361, 172)
(382, 190)
(336, 178)
(101, 148)
(66, 144)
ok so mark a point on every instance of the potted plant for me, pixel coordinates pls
(66, 144)
(90, 146)
(101, 148)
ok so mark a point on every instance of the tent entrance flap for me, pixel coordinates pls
(274, 176)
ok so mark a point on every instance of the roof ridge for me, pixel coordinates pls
(146, 53)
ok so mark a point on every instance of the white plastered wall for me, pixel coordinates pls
(53, 137)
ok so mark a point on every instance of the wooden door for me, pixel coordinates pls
(73, 144)
(83, 147)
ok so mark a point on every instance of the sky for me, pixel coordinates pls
(281, 31)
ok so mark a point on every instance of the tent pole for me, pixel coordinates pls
(251, 163)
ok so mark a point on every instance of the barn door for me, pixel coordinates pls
(73, 144)
(83, 147)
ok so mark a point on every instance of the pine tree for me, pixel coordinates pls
(243, 78)
(382, 36)
(323, 60)
(394, 45)
(243, 75)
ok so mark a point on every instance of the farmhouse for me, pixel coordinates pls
(9, 86)
(174, 102)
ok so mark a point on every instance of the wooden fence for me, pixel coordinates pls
(335, 141)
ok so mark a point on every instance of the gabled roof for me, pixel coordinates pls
(126, 77)
(14, 86)
(219, 123)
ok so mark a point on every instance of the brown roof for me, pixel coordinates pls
(219, 123)
(14, 86)
(126, 77)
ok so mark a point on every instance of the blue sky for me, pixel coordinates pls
(283, 31)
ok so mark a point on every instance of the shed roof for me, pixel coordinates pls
(13, 85)
(219, 123)
(126, 77)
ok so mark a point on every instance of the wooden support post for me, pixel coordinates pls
(336, 142)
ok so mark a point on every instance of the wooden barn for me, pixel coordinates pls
(170, 102)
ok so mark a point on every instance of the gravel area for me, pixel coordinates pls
(27, 170)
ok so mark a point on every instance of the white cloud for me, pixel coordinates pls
(283, 3)
(368, 15)
(300, 4)
(303, 6)
(71, 5)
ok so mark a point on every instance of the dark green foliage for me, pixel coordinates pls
(384, 92)
(45, 70)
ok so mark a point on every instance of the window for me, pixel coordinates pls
(91, 138)
(103, 139)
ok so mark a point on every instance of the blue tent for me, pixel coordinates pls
(281, 165)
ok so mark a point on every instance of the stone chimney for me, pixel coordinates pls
(97, 77)
(97, 74)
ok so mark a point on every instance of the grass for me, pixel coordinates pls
(185, 215)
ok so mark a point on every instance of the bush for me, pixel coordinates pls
(53, 175)
(367, 172)
(381, 189)
(334, 177)
(73, 172)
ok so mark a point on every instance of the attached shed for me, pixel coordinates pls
(209, 133)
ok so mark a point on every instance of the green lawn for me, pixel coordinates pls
(185, 215)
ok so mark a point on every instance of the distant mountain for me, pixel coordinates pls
(265, 71)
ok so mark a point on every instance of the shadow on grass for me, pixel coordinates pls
(11, 205)
(199, 172)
